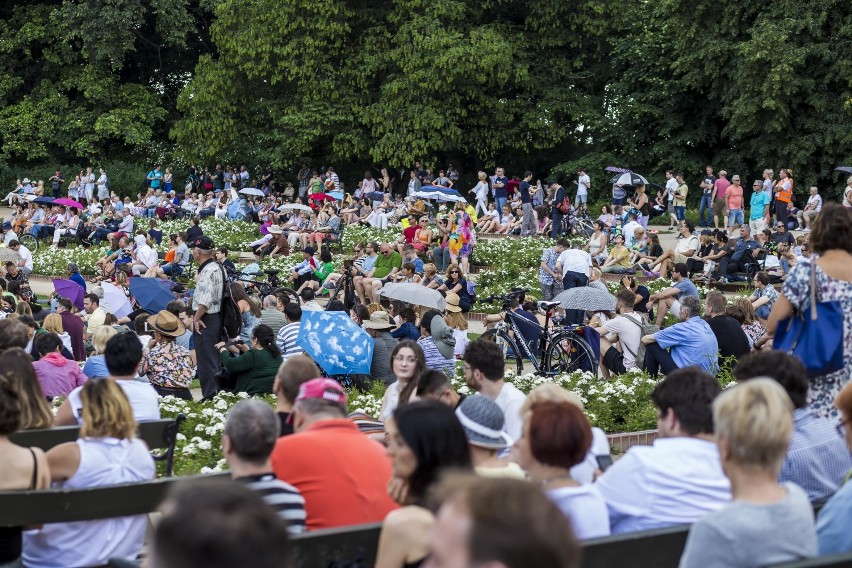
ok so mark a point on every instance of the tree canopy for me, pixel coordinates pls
(541, 84)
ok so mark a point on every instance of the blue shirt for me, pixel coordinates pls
(500, 192)
(369, 263)
(817, 459)
(406, 331)
(687, 288)
(759, 201)
(524, 190)
(742, 246)
(418, 265)
(833, 534)
(76, 277)
(95, 367)
(692, 342)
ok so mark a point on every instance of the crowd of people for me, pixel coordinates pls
(430, 465)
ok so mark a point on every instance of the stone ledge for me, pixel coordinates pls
(620, 443)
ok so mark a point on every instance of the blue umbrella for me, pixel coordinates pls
(43, 200)
(441, 188)
(338, 195)
(152, 294)
(336, 343)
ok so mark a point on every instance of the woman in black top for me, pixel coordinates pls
(457, 283)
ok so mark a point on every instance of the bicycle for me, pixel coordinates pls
(270, 286)
(561, 351)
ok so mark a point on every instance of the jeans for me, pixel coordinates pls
(205, 352)
(100, 234)
(763, 312)
(172, 269)
(500, 201)
(706, 205)
(658, 359)
(574, 280)
(549, 291)
(680, 212)
(556, 224)
(441, 256)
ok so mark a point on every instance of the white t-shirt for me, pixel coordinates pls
(584, 472)
(688, 243)
(510, 400)
(583, 185)
(27, 257)
(144, 400)
(815, 201)
(629, 333)
(584, 507)
(629, 233)
(575, 260)
(671, 186)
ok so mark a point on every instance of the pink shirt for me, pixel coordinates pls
(722, 185)
(735, 197)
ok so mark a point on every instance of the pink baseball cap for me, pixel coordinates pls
(325, 389)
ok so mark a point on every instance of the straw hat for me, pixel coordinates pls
(379, 320)
(274, 229)
(167, 324)
(452, 302)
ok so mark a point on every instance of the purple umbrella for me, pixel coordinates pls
(71, 290)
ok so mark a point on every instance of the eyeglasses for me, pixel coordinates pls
(454, 272)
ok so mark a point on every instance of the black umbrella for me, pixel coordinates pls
(657, 186)
(44, 200)
(844, 169)
(629, 179)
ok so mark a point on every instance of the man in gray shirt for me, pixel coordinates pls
(270, 314)
(379, 326)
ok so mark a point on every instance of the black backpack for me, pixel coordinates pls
(232, 319)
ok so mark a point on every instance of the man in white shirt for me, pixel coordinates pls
(483, 372)
(145, 256)
(583, 185)
(575, 265)
(620, 336)
(122, 355)
(678, 479)
(671, 186)
(629, 229)
(25, 264)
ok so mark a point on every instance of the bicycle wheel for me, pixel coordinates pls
(294, 297)
(507, 345)
(567, 353)
(29, 241)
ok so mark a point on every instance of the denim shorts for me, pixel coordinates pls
(735, 216)
(680, 212)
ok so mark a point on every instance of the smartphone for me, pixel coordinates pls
(604, 462)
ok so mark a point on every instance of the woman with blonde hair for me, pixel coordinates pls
(95, 367)
(767, 522)
(480, 192)
(106, 453)
(53, 324)
(430, 276)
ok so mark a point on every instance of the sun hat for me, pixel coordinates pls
(26, 181)
(167, 323)
(379, 320)
(274, 229)
(443, 336)
(452, 302)
(483, 423)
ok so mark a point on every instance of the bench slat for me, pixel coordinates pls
(329, 546)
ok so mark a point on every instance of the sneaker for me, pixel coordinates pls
(671, 227)
(807, 229)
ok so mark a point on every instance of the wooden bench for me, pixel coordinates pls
(158, 434)
(330, 547)
(24, 508)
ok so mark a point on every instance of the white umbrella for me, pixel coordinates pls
(586, 298)
(439, 196)
(115, 301)
(629, 178)
(414, 294)
(251, 191)
(294, 207)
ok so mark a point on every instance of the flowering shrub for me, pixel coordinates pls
(234, 235)
(354, 234)
(53, 262)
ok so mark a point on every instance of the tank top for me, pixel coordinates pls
(103, 461)
(595, 243)
(10, 537)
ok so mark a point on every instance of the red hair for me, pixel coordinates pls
(559, 434)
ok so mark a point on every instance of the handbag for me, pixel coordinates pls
(816, 340)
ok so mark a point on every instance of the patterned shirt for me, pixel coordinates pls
(285, 499)
(169, 365)
(286, 340)
(548, 257)
(434, 359)
(817, 459)
(208, 287)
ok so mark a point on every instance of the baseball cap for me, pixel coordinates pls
(203, 242)
(320, 388)
(308, 250)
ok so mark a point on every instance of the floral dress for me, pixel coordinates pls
(823, 389)
(462, 237)
(169, 365)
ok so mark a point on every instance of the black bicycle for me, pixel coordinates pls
(563, 350)
(262, 288)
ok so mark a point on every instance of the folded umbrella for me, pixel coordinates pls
(115, 300)
(336, 343)
(70, 290)
(152, 294)
(416, 294)
(587, 299)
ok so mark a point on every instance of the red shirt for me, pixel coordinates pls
(409, 231)
(341, 473)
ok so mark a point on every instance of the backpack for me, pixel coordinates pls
(471, 291)
(647, 328)
(232, 319)
(564, 206)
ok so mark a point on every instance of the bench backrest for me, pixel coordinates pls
(658, 548)
(833, 561)
(157, 434)
(22, 508)
(341, 545)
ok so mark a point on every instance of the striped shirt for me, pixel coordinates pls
(286, 340)
(285, 499)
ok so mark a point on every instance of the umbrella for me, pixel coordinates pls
(439, 196)
(440, 188)
(657, 186)
(68, 202)
(115, 300)
(629, 178)
(31, 197)
(321, 197)
(616, 170)
(152, 294)
(43, 200)
(294, 207)
(844, 169)
(71, 290)
(336, 343)
(7, 254)
(587, 299)
(416, 294)
(338, 195)
(252, 191)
